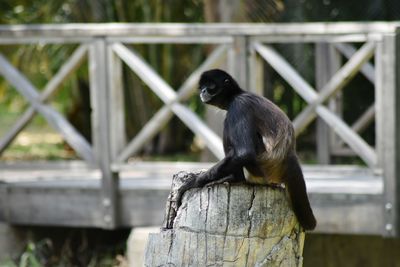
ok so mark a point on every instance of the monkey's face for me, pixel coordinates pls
(217, 88)
(208, 90)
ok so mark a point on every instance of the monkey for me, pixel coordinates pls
(257, 136)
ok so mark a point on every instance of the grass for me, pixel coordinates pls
(38, 145)
(37, 141)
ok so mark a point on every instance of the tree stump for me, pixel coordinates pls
(228, 225)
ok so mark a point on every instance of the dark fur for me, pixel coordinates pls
(257, 136)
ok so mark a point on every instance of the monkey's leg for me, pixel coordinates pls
(180, 186)
(236, 177)
(207, 179)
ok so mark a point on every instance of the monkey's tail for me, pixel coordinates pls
(295, 183)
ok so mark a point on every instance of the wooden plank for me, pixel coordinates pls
(239, 61)
(367, 69)
(144, 71)
(43, 40)
(335, 84)
(16, 128)
(191, 29)
(256, 70)
(359, 126)
(55, 206)
(164, 167)
(343, 197)
(286, 71)
(168, 95)
(327, 62)
(201, 39)
(343, 151)
(73, 62)
(387, 127)
(57, 121)
(362, 149)
(101, 127)
(347, 213)
(117, 104)
(308, 93)
(318, 38)
(43, 165)
(364, 120)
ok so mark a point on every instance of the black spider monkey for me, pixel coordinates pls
(257, 136)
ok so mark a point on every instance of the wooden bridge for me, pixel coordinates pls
(103, 190)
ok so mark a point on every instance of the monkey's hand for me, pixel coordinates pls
(181, 182)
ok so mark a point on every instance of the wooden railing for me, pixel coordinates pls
(243, 47)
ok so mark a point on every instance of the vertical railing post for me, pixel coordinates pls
(117, 104)
(101, 130)
(388, 126)
(238, 63)
(327, 62)
(256, 70)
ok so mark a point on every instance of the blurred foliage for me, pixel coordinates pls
(72, 248)
(30, 257)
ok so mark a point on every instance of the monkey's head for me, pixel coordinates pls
(218, 88)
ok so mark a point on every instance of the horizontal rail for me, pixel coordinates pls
(318, 38)
(193, 29)
(172, 39)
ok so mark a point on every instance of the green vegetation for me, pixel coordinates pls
(42, 254)
(66, 247)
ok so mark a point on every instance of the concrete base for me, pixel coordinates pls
(12, 241)
(137, 243)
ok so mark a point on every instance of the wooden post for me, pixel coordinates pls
(101, 130)
(256, 70)
(117, 105)
(238, 61)
(388, 127)
(229, 225)
(327, 62)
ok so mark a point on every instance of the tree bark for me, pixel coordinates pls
(229, 225)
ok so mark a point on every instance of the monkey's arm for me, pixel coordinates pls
(221, 172)
(240, 132)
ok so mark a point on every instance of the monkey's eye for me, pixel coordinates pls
(212, 88)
